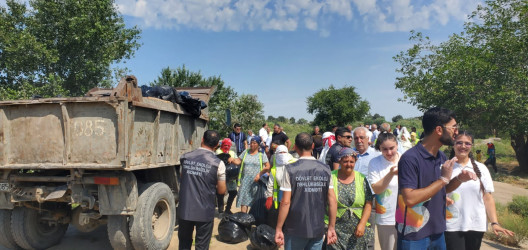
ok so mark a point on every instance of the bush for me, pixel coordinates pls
(519, 205)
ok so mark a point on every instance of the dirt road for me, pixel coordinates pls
(98, 239)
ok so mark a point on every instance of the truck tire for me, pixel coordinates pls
(152, 225)
(30, 232)
(118, 233)
(6, 236)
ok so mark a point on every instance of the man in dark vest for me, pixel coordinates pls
(306, 194)
(202, 176)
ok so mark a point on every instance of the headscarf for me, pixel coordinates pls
(328, 138)
(405, 133)
(256, 138)
(226, 145)
(346, 151)
(282, 157)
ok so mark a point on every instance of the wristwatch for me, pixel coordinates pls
(495, 223)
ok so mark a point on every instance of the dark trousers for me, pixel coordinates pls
(463, 240)
(230, 199)
(204, 231)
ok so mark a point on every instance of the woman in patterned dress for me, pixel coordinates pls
(253, 165)
(354, 203)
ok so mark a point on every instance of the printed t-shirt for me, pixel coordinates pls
(386, 201)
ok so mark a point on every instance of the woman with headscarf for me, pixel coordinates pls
(225, 148)
(354, 204)
(273, 195)
(404, 140)
(328, 141)
(253, 164)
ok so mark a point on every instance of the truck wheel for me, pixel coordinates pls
(118, 232)
(152, 225)
(32, 232)
(6, 236)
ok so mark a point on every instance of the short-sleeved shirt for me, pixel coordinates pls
(362, 163)
(333, 155)
(468, 212)
(417, 169)
(263, 133)
(309, 182)
(386, 201)
(279, 138)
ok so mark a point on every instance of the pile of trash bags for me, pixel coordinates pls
(235, 228)
(238, 227)
(168, 93)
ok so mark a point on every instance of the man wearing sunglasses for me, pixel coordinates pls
(343, 139)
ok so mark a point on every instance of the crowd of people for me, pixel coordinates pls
(333, 190)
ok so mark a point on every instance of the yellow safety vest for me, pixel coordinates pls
(273, 172)
(359, 201)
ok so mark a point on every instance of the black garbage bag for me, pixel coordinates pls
(232, 170)
(263, 238)
(258, 208)
(243, 219)
(191, 105)
(231, 232)
(167, 93)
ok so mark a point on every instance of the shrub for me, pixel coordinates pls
(511, 221)
(519, 205)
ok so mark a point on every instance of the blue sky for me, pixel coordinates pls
(285, 51)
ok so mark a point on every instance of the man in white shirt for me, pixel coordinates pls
(263, 133)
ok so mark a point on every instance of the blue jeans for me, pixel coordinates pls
(433, 242)
(297, 243)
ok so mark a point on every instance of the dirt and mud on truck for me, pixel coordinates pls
(110, 157)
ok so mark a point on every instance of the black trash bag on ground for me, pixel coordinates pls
(231, 232)
(263, 238)
(258, 208)
(243, 219)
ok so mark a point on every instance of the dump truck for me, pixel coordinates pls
(110, 157)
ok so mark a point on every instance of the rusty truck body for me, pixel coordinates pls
(109, 157)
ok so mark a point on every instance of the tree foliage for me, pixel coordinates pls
(245, 109)
(397, 118)
(60, 47)
(374, 119)
(481, 74)
(336, 107)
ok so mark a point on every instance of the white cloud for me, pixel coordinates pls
(290, 15)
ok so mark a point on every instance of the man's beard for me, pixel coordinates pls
(447, 139)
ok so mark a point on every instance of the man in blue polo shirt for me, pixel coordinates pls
(424, 175)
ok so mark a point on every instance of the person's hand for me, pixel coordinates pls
(360, 230)
(498, 229)
(331, 236)
(279, 237)
(394, 170)
(257, 178)
(449, 201)
(230, 160)
(466, 176)
(269, 202)
(447, 168)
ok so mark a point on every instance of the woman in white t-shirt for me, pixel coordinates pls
(470, 203)
(383, 171)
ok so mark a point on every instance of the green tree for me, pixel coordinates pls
(248, 111)
(282, 119)
(302, 121)
(374, 119)
(481, 74)
(397, 118)
(60, 47)
(292, 120)
(271, 118)
(336, 107)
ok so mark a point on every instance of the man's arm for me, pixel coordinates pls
(335, 166)
(284, 209)
(221, 187)
(411, 197)
(288, 144)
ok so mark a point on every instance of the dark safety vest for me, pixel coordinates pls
(310, 180)
(199, 170)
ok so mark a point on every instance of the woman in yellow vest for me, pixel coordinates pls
(354, 203)
(279, 160)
